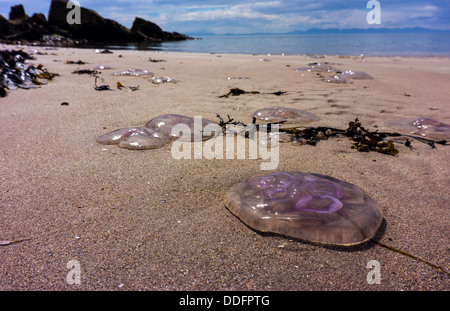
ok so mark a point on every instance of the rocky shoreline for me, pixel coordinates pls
(93, 29)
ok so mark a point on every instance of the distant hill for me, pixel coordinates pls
(368, 30)
(342, 31)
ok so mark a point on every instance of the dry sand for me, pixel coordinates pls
(141, 220)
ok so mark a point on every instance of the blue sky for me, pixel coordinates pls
(250, 16)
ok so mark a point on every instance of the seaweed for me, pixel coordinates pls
(362, 139)
(238, 91)
(80, 62)
(105, 51)
(223, 124)
(155, 60)
(85, 71)
(44, 74)
(16, 73)
(101, 87)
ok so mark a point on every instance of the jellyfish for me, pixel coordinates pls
(339, 78)
(277, 137)
(103, 67)
(422, 126)
(135, 138)
(133, 72)
(165, 123)
(306, 206)
(348, 74)
(287, 115)
(159, 80)
(360, 75)
(319, 67)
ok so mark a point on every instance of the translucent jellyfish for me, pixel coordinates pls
(279, 137)
(135, 138)
(133, 72)
(164, 124)
(103, 67)
(288, 115)
(422, 126)
(339, 78)
(319, 67)
(348, 74)
(356, 74)
(307, 206)
(159, 80)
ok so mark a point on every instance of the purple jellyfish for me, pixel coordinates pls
(288, 115)
(422, 126)
(307, 206)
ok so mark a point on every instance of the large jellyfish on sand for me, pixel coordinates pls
(319, 67)
(285, 115)
(158, 132)
(428, 127)
(133, 72)
(347, 75)
(166, 122)
(307, 206)
(135, 138)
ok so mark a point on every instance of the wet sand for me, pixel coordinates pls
(142, 220)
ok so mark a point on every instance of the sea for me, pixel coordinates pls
(350, 44)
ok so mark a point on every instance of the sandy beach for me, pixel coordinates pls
(142, 220)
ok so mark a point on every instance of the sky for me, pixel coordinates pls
(257, 16)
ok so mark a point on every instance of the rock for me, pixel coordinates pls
(154, 32)
(17, 12)
(6, 28)
(147, 28)
(22, 27)
(39, 19)
(93, 28)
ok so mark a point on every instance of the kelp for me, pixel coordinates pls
(85, 71)
(362, 139)
(15, 72)
(79, 62)
(103, 87)
(238, 91)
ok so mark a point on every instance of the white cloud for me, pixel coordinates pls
(246, 11)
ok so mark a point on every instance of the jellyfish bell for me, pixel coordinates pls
(345, 76)
(170, 123)
(285, 115)
(159, 80)
(135, 138)
(357, 75)
(422, 126)
(319, 67)
(307, 206)
(103, 67)
(339, 78)
(133, 72)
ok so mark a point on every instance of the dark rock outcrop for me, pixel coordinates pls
(92, 28)
(17, 12)
(22, 27)
(6, 28)
(154, 32)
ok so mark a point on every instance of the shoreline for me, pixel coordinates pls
(134, 47)
(142, 220)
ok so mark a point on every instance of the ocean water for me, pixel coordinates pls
(375, 44)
